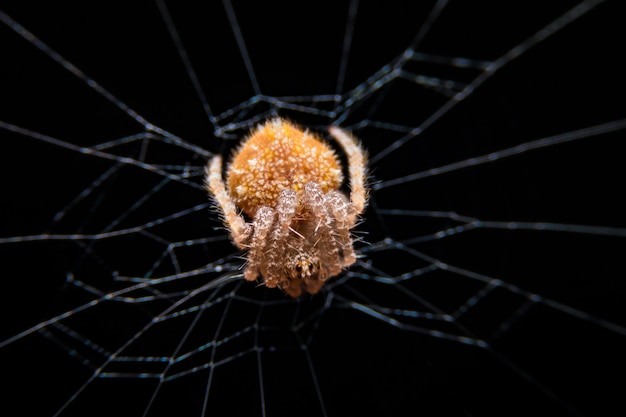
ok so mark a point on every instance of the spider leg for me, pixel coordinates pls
(357, 169)
(293, 288)
(263, 221)
(328, 250)
(340, 208)
(275, 249)
(240, 231)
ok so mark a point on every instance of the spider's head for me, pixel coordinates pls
(306, 274)
(305, 267)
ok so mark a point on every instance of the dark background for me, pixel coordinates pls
(546, 359)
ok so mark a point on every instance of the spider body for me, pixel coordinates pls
(287, 181)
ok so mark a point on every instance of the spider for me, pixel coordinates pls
(287, 181)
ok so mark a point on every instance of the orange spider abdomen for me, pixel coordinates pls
(277, 156)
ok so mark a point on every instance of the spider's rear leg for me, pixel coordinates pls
(240, 231)
(357, 167)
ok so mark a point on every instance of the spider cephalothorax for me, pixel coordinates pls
(287, 181)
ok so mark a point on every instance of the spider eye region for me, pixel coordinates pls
(277, 156)
(304, 268)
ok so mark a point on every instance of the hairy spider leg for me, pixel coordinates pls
(263, 221)
(240, 231)
(275, 249)
(341, 211)
(356, 168)
(327, 248)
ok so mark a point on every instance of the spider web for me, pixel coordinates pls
(490, 277)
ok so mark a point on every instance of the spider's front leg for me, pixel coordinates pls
(263, 221)
(277, 246)
(342, 212)
(323, 232)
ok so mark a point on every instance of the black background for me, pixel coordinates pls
(548, 362)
